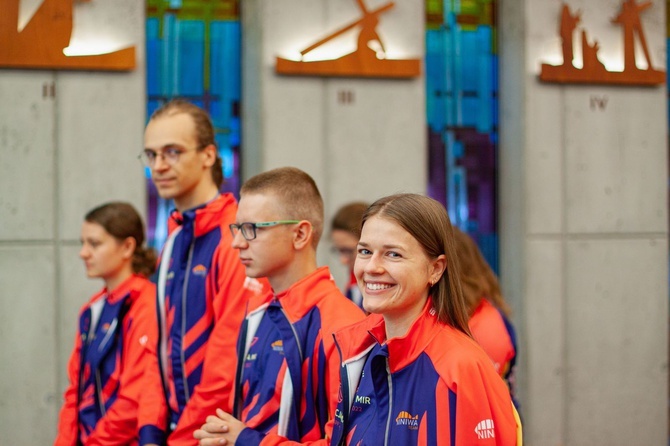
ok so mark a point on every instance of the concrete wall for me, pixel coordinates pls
(584, 232)
(583, 200)
(60, 156)
(360, 150)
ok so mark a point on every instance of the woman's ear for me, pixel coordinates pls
(128, 246)
(304, 232)
(438, 266)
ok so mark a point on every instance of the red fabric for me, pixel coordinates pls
(119, 424)
(229, 290)
(336, 311)
(463, 367)
(488, 328)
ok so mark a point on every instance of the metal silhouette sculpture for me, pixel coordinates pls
(364, 62)
(41, 42)
(593, 70)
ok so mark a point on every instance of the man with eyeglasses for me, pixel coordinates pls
(287, 377)
(202, 286)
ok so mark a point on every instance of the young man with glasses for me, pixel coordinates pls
(288, 368)
(201, 282)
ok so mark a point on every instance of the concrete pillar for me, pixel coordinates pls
(68, 142)
(584, 231)
(359, 138)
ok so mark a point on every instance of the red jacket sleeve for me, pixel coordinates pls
(484, 411)
(119, 425)
(152, 413)
(67, 424)
(230, 290)
(152, 416)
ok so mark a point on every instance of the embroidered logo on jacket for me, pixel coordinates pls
(278, 346)
(485, 429)
(359, 402)
(253, 285)
(406, 419)
(199, 270)
(366, 400)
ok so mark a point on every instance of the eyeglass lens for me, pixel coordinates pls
(248, 230)
(170, 155)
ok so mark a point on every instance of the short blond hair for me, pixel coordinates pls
(297, 194)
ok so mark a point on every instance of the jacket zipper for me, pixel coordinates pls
(183, 320)
(295, 334)
(108, 335)
(98, 389)
(344, 388)
(98, 379)
(390, 410)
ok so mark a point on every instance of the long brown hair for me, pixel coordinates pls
(477, 278)
(121, 221)
(427, 221)
(204, 129)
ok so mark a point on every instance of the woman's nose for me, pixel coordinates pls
(373, 265)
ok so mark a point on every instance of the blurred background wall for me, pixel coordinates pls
(564, 187)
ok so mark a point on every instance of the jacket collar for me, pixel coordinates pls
(402, 350)
(303, 295)
(205, 217)
(131, 285)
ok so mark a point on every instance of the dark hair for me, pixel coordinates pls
(121, 221)
(427, 221)
(204, 129)
(477, 278)
(348, 218)
(297, 193)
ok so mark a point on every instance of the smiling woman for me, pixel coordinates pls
(394, 273)
(416, 339)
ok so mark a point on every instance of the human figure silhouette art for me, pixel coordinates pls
(593, 70)
(365, 61)
(569, 23)
(629, 19)
(41, 42)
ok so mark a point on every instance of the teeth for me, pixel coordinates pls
(377, 286)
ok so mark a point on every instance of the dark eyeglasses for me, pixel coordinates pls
(170, 155)
(348, 252)
(248, 229)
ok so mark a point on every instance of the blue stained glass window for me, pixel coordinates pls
(462, 116)
(193, 51)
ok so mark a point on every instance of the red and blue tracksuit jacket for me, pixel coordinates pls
(288, 368)
(495, 333)
(202, 295)
(112, 349)
(433, 386)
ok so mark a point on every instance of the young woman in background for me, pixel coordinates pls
(116, 332)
